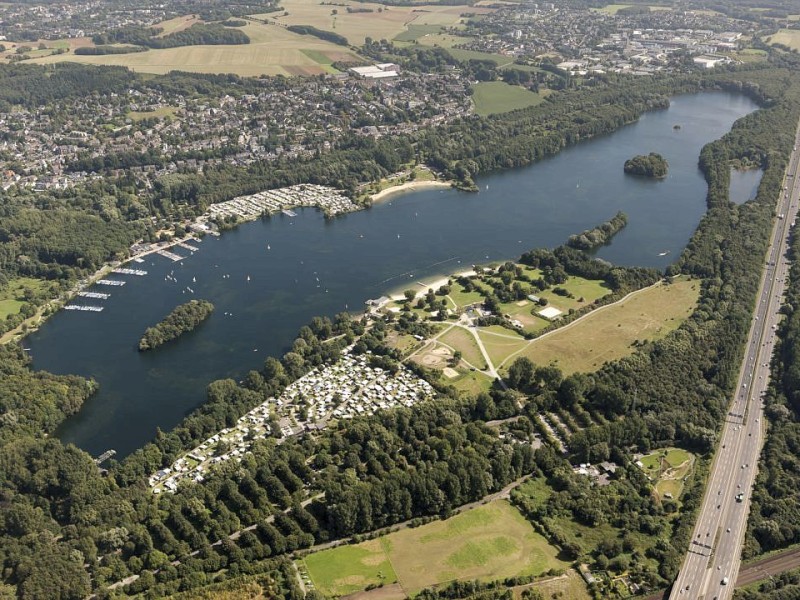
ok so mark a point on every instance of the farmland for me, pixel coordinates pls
(272, 51)
(489, 542)
(381, 22)
(787, 37)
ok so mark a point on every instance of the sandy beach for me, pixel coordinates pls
(431, 285)
(409, 186)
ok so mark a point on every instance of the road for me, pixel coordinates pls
(712, 562)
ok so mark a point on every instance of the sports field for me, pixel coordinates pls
(272, 51)
(461, 339)
(490, 542)
(494, 97)
(609, 333)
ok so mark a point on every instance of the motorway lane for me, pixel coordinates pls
(712, 562)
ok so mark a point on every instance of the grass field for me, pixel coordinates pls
(493, 97)
(348, 569)
(608, 334)
(460, 339)
(272, 51)
(471, 382)
(488, 543)
(500, 343)
(12, 297)
(787, 37)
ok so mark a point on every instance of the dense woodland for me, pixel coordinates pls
(600, 235)
(652, 165)
(68, 530)
(196, 35)
(183, 318)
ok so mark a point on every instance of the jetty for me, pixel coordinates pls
(289, 213)
(110, 282)
(104, 456)
(84, 308)
(95, 295)
(188, 247)
(170, 255)
(138, 260)
(125, 271)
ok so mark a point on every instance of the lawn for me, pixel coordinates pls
(490, 542)
(500, 342)
(460, 339)
(272, 51)
(787, 37)
(462, 298)
(609, 333)
(494, 97)
(348, 569)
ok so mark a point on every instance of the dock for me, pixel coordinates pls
(84, 308)
(170, 255)
(95, 295)
(104, 456)
(110, 282)
(188, 247)
(125, 271)
(289, 213)
(138, 260)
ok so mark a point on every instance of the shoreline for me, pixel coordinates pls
(409, 186)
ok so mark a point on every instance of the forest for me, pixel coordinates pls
(196, 35)
(183, 318)
(600, 235)
(69, 530)
(652, 165)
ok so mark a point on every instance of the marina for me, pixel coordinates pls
(125, 271)
(84, 308)
(170, 255)
(95, 295)
(113, 282)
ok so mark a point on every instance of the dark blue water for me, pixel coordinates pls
(744, 184)
(318, 267)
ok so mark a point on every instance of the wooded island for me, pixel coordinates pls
(183, 318)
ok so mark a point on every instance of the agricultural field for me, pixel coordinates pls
(490, 542)
(494, 97)
(667, 468)
(272, 51)
(787, 37)
(384, 22)
(177, 24)
(609, 333)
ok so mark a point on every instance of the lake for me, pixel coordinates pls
(268, 278)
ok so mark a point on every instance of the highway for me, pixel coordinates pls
(711, 565)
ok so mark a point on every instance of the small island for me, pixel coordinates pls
(600, 235)
(182, 319)
(653, 165)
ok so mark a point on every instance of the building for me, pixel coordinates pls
(377, 71)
